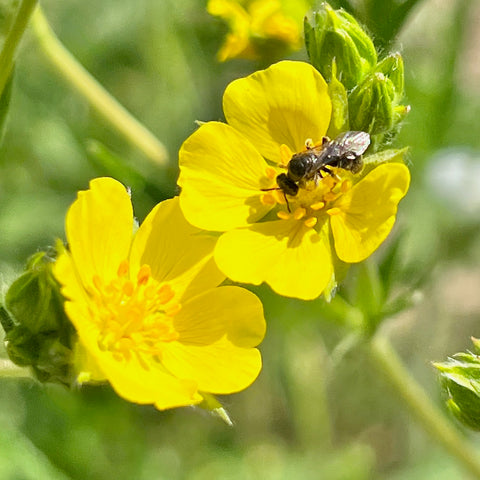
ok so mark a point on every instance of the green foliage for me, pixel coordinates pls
(158, 59)
(460, 376)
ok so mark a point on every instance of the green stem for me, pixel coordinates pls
(420, 405)
(9, 369)
(76, 75)
(13, 38)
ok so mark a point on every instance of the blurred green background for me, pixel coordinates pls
(316, 411)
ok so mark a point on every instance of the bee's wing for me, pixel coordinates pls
(354, 142)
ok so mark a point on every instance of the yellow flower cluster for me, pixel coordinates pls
(256, 26)
(149, 313)
(228, 172)
(151, 316)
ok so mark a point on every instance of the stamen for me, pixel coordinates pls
(144, 274)
(334, 211)
(165, 293)
(268, 199)
(128, 288)
(346, 186)
(310, 222)
(309, 144)
(299, 213)
(330, 196)
(280, 197)
(317, 205)
(123, 268)
(282, 215)
(270, 172)
(285, 155)
(173, 310)
(97, 282)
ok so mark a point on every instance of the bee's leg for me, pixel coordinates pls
(327, 169)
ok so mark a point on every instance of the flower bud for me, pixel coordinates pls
(336, 35)
(38, 333)
(460, 377)
(371, 105)
(392, 68)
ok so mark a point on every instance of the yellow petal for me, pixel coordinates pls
(231, 311)
(366, 213)
(285, 104)
(237, 40)
(135, 383)
(221, 176)
(176, 252)
(218, 330)
(220, 368)
(99, 229)
(293, 259)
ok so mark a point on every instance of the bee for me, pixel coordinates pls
(345, 152)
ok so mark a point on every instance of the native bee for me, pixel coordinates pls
(345, 151)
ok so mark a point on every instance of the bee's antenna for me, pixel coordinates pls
(286, 200)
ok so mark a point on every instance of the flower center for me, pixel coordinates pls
(134, 316)
(311, 194)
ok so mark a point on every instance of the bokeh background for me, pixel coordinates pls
(318, 410)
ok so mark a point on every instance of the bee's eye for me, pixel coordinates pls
(297, 168)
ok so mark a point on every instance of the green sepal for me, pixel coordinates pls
(211, 404)
(460, 377)
(334, 34)
(38, 332)
(392, 67)
(339, 121)
(371, 105)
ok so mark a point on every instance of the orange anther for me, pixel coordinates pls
(144, 274)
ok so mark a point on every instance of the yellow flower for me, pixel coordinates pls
(225, 170)
(254, 23)
(149, 315)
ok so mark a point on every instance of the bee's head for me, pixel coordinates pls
(298, 166)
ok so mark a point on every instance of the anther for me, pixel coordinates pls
(299, 213)
(143, 274)
(330, 197)
(334, 211)
(283, 215)
(270, 172)
(128, 288)
(346, 186)
(165, 293)
(268, 199)
(123, 268)
(173, 310)
(317, 205)
(310, 222)
(285, 155)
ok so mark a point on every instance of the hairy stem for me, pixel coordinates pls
(81, 80)
(12, 41)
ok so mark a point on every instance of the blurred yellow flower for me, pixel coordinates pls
(225, 169)
(258, 26)
(149, 315)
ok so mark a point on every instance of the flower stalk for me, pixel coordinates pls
(107, 106)
(12, 41)
(419, 404)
